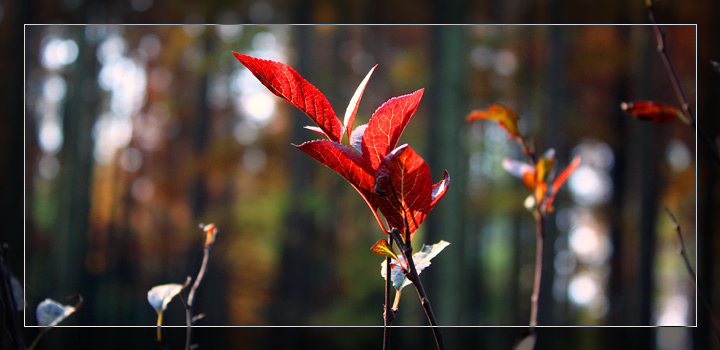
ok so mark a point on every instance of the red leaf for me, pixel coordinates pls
(354, 102)
(386, 125)
(439, 189)
(405, 180)
(346, 162)
(285, 82)
(560, 179)
(505, 116)
(652, 111)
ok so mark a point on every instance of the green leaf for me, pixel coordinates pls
(422, 260)
(383, 248)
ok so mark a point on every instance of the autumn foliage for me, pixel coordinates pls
(534, 176)
(655, 112)
(395, 180)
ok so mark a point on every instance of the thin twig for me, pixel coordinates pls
(679, 92)
(540, 230)
(388, 315)
(415, 279)
(191, 295)
(528, 148)
(703, 297)
(37, 338)
(8, 300)
(683, 252)
(412, 274)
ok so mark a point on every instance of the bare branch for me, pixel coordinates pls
(703, 297)
(679, 92)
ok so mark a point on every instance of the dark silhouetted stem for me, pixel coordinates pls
(412, 275)
(406, 249)
(8, 300)
(415, 279)
(37, 339)
(691, 272)
(191, 295)
(387, 315)
(386, 318)
(679, 93)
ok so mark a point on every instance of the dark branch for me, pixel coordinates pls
(691, 272)
(679, 92)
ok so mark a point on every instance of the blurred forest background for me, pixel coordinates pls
(136, 134)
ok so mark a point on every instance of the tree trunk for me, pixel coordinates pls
(448, 108)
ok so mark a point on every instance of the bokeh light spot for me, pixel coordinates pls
(58, 53)
(582, 289)
(678, 155)
(589, 186)
(50, 136)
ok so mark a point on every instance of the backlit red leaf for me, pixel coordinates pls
(285, 82)
(505, 116)
(652, 111)
(405, 179)
(560, 179)
(386, 125)
(439, 189)
(354, 102)
(346, 162)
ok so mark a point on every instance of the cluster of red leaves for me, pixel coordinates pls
(534, 177)
(395, 180)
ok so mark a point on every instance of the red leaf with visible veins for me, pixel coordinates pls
(404, 180)
(285, 82)
(386, 125)
(652, 111)
(346, 162)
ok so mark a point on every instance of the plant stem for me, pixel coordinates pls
(405, 246)
(191, 295)
(37, 339)
(703, 297)
(540, 228)
(679, 93)
(386, 314)
(413, 276)
(159, 325)
(8, 300)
